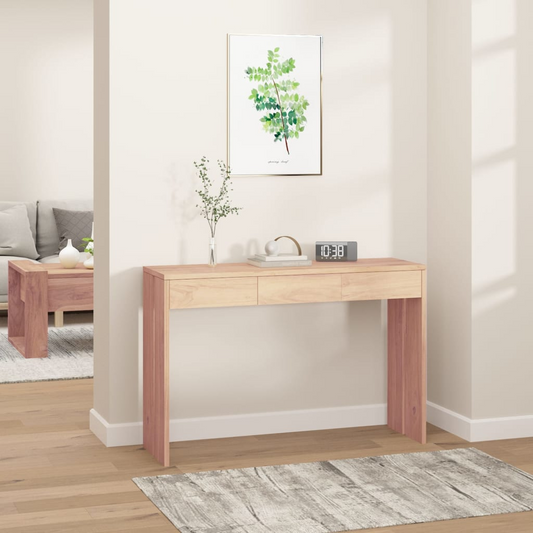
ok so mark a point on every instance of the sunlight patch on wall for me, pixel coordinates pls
(493, 21)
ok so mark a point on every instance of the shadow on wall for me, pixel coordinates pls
(182, 185)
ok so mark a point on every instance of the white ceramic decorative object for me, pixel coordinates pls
(89, 263)
(69, 256)
(272, 248)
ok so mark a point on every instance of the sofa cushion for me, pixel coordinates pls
(32, 214)
(47, 235)
(3, 275)
(49, 259)
(73, 225)
(16, 238)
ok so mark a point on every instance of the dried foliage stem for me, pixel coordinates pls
(213, 207)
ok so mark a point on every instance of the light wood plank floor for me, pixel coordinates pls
(56, 476)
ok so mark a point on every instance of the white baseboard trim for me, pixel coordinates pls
(243, 425)
(115, 434)
(511, 427)
(98, 425)
(472, 430)
(449, 421)
(480, 429)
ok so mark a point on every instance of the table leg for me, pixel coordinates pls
(58, 319)
(407, 365)
(28, 312)
(15, 317)
(155, 368)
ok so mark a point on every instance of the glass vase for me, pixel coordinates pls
(212, 252)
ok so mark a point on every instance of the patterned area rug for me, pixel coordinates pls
(335, 496)
(70, 356)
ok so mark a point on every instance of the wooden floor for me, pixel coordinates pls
(56, 476)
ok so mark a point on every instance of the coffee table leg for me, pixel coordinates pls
(58, 319)
(28, 318)
(36, 314)
(15, 317)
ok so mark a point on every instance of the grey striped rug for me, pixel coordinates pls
(334, 496)
(70, 356)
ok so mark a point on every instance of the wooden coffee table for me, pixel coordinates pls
(35, 290)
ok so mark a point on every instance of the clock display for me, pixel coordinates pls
(336, 251)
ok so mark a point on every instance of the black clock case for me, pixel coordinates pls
(351, 254)
(352, 251)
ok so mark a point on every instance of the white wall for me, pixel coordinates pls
(46, 107)
(449, 205)
(502, 218)
(167, 107)
(480, 245)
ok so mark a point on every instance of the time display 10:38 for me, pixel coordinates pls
(333, 251)
(336, 251)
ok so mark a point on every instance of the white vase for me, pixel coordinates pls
(212, 252)
(89, 263)
(69, 256)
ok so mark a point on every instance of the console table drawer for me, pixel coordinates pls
(223, 292)
(381, 285)
(299, 289)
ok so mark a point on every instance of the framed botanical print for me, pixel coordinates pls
(275, 105)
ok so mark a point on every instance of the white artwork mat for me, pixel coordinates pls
(251, 149)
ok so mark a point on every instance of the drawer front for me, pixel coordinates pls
(381, 285)
(299, 289)
(70, 294)
(222, 292)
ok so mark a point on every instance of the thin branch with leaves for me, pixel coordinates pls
(213, 207)
(89, 247)
(276, 94)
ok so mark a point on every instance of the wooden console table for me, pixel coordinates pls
(402, 283)
(35, 289)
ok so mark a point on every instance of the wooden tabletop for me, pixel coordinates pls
(54, 270)
(239, 270)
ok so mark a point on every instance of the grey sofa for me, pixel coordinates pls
(44, 231)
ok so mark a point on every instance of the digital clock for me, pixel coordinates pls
(336, 251)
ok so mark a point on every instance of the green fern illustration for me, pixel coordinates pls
(276, 94)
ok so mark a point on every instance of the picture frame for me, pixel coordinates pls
(274, 105)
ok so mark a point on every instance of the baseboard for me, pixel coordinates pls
(115, 434)
(243, 425)
(512, 427)
(480, 429)
(449, 421)
(98, 425)
(472, 430)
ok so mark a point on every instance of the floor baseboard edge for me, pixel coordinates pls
(98, 425)
(449, 421)
(510, 427)
(480, 429)
(186, 429)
